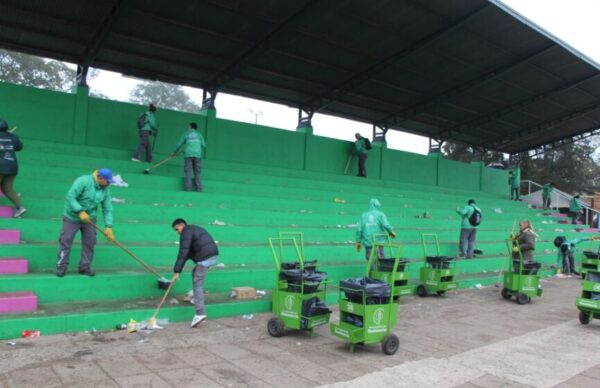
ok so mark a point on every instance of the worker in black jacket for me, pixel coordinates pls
(196, 244)
(9, 145)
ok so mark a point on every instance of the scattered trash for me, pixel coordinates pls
(176, 242)
(547, 251)
(240, 293)
(11, 343)
(339, 200)
(117, 200)
(132, 326)
(243, 265)
(188, 295)
(559, 230)
(144, 340)
(261, 293)
(216, 241)
(30, 334)
(218, 223)
(219, 265)
(497, 210)
(173, 301)
(247, 316)
(118, 181)
(298, 343)
(478, 286)
(302, 211)
(121, 326)
(339, 226)
(352, 226)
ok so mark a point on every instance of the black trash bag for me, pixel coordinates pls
(296, 277)
(355, 320)
(309, 265)
(313, 307)
(591, 255)
(593, 277)
(439, 262)
(529, 267)
(375, 291)
(387, 265)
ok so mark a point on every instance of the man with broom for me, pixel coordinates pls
(193, 144)
(81, 206)
(196, 244)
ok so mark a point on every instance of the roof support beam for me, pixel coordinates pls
(557, 143)
(102, 32)
(358, 79)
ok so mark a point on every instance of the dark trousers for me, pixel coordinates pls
(547, 202)
(466, 244)
(380, 254)
(6, 186)
(568, 263)
(514, 193)
(192, 165)
(144, 146)
(65, 241)
(362, 167)
(574, 217)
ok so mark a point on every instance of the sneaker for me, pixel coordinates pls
(134, 159)
(87, 272)
(197, 319)
(60, 272)
(19, 212)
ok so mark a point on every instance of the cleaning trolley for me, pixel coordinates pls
(589, 302)
(299, 295)
(438, 273)
(383, 267)
(522, 279)
(368, 309)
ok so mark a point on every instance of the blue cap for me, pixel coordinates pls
(106, 174)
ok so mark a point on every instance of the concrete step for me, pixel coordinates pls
(18, 302)
(13, 266)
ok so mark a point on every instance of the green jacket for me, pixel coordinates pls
(571, 248)
(151, 123)
(372, 222)
(85, 195)
(466, 213)
(574, 205)
(526, 241)
(515, 180)
(194, 144)
(547, 190)
(359, 146)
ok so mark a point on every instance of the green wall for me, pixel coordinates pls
(79, 119)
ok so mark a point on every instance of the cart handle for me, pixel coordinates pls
(284, 235)
(433, 237)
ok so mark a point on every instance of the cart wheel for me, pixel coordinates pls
(441, 293)
(390, 344)
(583, 276)
(584, 318)
(523, 299)
(421, 291)
(505, 294)
(275, 327)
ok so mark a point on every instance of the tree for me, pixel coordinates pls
(464, 153)
(29, 70)
(163, 95)
(570, 168)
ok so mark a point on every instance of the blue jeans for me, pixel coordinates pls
(467, 239)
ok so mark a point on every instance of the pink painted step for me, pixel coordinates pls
(588, 230)
(18, 302)
(10, 236)
(13, 265)
(557, 215)
(6, 212)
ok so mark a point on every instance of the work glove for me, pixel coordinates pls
(512, 236)
(392, 234)
(175, 277)
(108, 232)
(84, 217)
(515, 249)
(358, 246)
(174, 154)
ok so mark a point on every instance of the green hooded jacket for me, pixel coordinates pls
(466, 213)
(372, 222)
(574, 205)
(571, 249)
(360, 147)
(85, 195)
(194, 144)
(547, 190)
(151, 123)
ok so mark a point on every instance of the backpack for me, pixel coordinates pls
(475, 218)
(368, 145)
(141, 121)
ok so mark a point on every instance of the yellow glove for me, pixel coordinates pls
(593, 238)
(108, 232)
(84, 217)
(358, 246)
(392, 234)
(512, 236)
(515, 249)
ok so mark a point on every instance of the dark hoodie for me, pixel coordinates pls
(9, 145)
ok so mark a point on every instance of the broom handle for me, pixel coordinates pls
(161, 162)
(348, 164)
(162, 301)
(12, 130)
(512, 231)
(148, 268)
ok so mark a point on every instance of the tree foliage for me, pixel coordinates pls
(464, 153)
(163, 95)
(29, 70)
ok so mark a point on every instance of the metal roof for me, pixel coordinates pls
(462, 70)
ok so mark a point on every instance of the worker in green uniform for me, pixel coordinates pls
(360, 150)
(194, 145)
(470, 220)
(547, 194)
(566, 253)
(514, 181)
(81, 206)
(373, 222)
(574, 209)
(147, 126)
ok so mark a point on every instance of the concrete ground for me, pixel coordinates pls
(470, 338)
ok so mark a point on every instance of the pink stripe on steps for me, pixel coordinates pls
(6, 212)
(13, 265)
(10, 236)
(18, 302)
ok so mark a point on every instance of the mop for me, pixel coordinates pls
(163, 283)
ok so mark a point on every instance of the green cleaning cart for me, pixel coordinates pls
(299, 295)
(438, 273)
(522, 278)
(368, 310)
(589, 302)
(590, 261)
(383, 268)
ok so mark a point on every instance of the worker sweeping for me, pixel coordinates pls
(81, 206)
(196, 244)
(373, 222)
(194, 145)
(565, 257)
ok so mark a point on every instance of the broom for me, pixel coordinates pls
(505, 257)
(348, 164)
(151, 324)
(163, 283)
(147, 171)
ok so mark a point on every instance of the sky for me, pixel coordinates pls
(573, 21)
